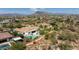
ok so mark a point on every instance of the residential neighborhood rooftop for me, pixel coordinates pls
(26, 29)
(5, 35)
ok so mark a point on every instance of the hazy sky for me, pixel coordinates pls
(32, 10)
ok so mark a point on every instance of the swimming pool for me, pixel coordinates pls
(4, 46)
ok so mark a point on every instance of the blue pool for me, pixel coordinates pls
(4, 47)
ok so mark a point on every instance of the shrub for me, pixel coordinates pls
(15, 33)
(18, 46)
(68, 36)
(63, 37)
(51, 37)
(47, 36)
(65, 46)
(41, 26)
(42, 32)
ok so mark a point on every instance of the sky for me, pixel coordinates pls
(32, 10)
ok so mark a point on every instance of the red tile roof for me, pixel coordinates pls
(26, 29)
(5, 35)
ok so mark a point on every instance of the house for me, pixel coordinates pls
(5, 37)
(28, 32)
(6, 20)
(16, 38)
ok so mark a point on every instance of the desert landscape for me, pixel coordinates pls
(40, 30)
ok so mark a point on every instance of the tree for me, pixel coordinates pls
(18, 25)
(65, 46)
(68, 36)
(15, 33)
(68, 20)
(47, 36)
(1, 29)
(51, 37)
(18, 46)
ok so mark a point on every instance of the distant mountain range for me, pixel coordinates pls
(48, 13)
(36, 13)
(41, 13)
(12, 14)
(17, 14)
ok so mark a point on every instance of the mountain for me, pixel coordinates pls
(12, 14)
(41, 13)
(48, 13)
(38, 13)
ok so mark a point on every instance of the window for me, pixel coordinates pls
(28, 32)
(23, 33)
(33, 31)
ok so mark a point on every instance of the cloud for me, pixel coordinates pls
(36, 9)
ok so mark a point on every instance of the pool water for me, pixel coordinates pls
(5, 46)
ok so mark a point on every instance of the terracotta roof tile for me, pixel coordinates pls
(5, 35)
(26, 29)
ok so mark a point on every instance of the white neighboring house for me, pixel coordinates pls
(28, 32)
(7, 20)
(16, 38)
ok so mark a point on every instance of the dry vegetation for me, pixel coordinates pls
(60, 31)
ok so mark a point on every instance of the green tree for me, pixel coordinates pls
(18, 46)
(15, 33)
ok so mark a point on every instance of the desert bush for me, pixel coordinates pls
(18, 46)
(65, 46)
(68, 36)
(51, 37)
